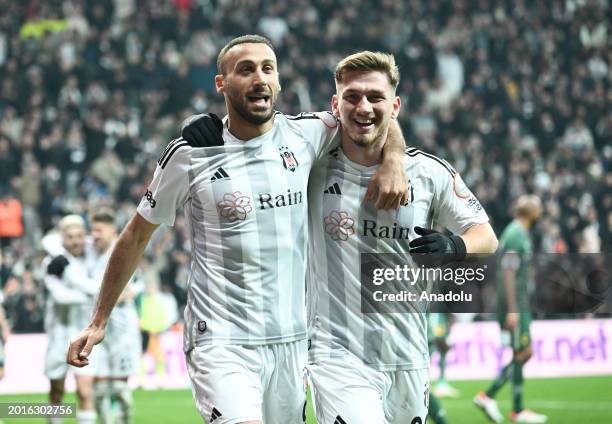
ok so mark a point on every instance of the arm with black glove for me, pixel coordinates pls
(203, 130)
(436, 249)
(57, 265)
(59, 291)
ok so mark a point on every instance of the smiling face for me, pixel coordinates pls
(250, 82)
(103, 234)
(73, 239)
(364, 103)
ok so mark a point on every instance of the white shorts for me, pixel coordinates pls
(345, 391)
(236, 383)
(56, 366)
(119, 353)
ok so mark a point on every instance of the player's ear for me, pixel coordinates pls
(220, 83)
(334, 106)
(397, 104)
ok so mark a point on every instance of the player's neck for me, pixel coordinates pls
(245, 130)
(103, 249)
(76, 254)
(524, 222)
(362, 155)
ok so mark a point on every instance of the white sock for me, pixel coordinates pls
(123, 395)
(102, 396)
(86, 417)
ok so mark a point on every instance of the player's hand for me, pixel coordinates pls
(436, 249)
(512, 319)
(81, 347)
(392, 184)
(203, 130)
(57, 265)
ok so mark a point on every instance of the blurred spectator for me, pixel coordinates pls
(11, 214)
(24, 305)
(158, 312)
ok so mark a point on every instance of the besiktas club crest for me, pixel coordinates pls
(289, 160)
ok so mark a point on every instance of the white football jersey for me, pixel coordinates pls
(96, 263)
(123, 316)
(342, 228)
(246, 204)
(70, 298)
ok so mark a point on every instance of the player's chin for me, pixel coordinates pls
(260, 116)
(363, 140)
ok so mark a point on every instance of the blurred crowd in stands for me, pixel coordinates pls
(515, 94)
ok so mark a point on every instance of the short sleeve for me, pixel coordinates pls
(169, 189)
(510, 260)
(458, 208)
(319, 129)
(514, 242)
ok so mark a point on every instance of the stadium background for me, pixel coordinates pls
(515, 94)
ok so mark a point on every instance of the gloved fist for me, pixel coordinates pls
(57, 265)
(436, 249)
(203, 130)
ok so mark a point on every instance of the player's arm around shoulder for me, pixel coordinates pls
(61, 292)
(78, 279)
(390, 181)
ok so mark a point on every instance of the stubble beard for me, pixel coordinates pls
(238, 103)
(368, 140)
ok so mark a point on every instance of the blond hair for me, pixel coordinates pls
(70, 221)
(367, 61)
(526, 204)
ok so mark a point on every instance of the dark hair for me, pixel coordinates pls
(104, 215)
(245, 39)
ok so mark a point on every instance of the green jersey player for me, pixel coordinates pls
(439, 326)
(438, 330)
(513, 311)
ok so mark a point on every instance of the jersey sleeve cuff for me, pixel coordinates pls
(144, 212)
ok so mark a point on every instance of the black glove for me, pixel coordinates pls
(436, 249)
(204, 130)
(57, 265)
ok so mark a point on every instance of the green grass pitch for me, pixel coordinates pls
(564, 400)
